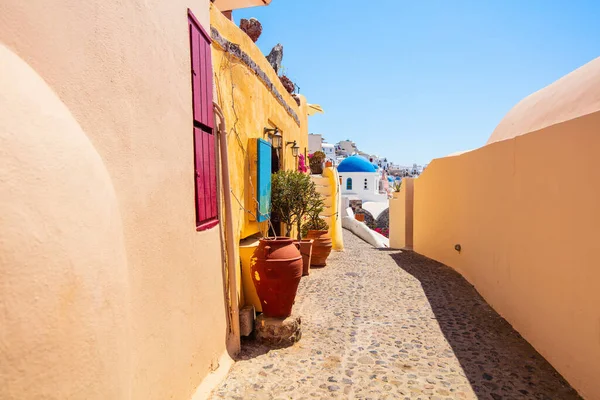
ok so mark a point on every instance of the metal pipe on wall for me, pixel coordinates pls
(229, 233)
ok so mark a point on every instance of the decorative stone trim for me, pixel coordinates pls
(237, 52)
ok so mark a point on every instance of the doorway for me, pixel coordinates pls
(275, 228)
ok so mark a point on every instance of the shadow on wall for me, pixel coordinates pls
(498, 362)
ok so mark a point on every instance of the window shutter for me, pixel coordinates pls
(196, 71)
(263, 179)
(200, 190)
(202, 80)
(206, 177)
(205, 167)
(208, 85)
(213, 176)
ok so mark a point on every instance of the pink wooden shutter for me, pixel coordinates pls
(202, 80)
(200, 176)
(206, 178)
(204, 139)
(208, 84)
(213, 177)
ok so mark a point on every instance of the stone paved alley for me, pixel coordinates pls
(394, 325)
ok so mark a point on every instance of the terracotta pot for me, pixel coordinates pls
(321, 247)
(276, 275)
(360, 217)
(305, 246)
(328, 164)
(316, 169)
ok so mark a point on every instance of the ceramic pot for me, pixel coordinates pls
(360, 217)
(305, 246)
(321, 247)
(316, 169)
(328, 164)
(276, 274)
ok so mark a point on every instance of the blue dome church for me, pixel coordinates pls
(359, 178)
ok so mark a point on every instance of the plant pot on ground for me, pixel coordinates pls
(276, 275)
(318, 230)
(316, 162)
(305, 246)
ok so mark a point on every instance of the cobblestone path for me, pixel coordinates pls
(391, 325)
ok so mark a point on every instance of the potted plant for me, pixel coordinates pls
(316, 162)
(293, 195)
(278, 264)
(317, 229)
(397, 187)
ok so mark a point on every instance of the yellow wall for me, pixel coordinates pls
(249, 106)
(525, 212)
(333, 202)
(108, 290)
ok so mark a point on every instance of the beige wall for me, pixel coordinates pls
(110, 292)
(401, 216)
(525, 212)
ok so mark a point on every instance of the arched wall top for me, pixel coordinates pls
(572, 96)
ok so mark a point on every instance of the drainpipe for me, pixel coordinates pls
(229, 234)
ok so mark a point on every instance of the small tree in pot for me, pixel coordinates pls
(293, 196)
(317, 229)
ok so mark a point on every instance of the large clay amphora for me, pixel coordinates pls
(276, 275)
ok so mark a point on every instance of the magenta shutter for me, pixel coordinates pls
(196, 70)
(208, 87)
(200, 190)
(202, 82)
(213, 176)
(204, 139)
(206, 178)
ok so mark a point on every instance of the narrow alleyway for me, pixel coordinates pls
(390, 325)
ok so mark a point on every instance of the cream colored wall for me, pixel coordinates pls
(525, 212)
(401, 216)
(249, 106)
(111, 291)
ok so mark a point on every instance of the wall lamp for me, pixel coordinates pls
(274, 135)
(295, 148)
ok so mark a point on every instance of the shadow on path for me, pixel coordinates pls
(498, 362)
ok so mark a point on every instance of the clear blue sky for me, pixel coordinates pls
(416, 80)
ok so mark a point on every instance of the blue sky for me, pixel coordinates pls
(416, 80)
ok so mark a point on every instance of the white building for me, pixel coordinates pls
(346, 147)
(359, 178)
(329, 151)
(315, 142)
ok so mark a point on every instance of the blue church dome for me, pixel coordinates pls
(356, 164)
